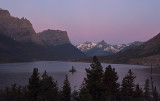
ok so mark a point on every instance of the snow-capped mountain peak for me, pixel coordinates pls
(86, 46)
(102, 48)
(102, 44)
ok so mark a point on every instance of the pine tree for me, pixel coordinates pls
(66, 90)
(13, 91)
(128, 86)
(7, 94)
(155, 94)
(138, 94)
(94, 80)
(2, 95)
(34, 86)
(19, 94)
(74, 95)
(48, 88)
(84, 94)
(110, 83)
(147, 91)
(24, 93)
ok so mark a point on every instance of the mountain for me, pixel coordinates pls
(145, 54)
(101, 49)
(54, 37)
(102, 44)
(19, 42)
(14, 51)
(86, 46)
(18, 29)
(104, 49)
(131, 45)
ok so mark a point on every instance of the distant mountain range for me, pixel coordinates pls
(146, 54)
(19, 42)
(104, 49)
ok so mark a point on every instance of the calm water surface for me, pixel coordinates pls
(19, 73)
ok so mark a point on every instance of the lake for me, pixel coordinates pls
(19, 73)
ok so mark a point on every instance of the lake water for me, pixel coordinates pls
(19, 73)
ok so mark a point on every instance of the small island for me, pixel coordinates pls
(72, 70)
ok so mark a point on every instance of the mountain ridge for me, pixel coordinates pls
(102, 48)
(19, 42)
(19, 29)
(146, 54)
(54, 37)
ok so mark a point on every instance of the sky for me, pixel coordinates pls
(115, 21)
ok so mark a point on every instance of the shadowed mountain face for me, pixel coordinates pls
(19, 42)
(145, 54)
(14, 51)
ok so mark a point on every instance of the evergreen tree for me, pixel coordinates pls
(48, 88)
(110, 83)
(24, 93)
(94, 80)
(74, 96)
(66, 90)
(7, 94)
(19, 94)
(155, 95)
(138, 94)
(34, 86)
(147, 91)
(84, 94)
(2, 95)
(14, 93)
(128, 86)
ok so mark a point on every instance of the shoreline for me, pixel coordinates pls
(79, 62)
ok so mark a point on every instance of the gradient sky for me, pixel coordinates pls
(115, 21)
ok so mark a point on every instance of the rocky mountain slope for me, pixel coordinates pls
(18, 29)
(19, 42)
(144, 54)
(54, 37)
(104, 49)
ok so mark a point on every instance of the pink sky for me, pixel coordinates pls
(117, 21)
